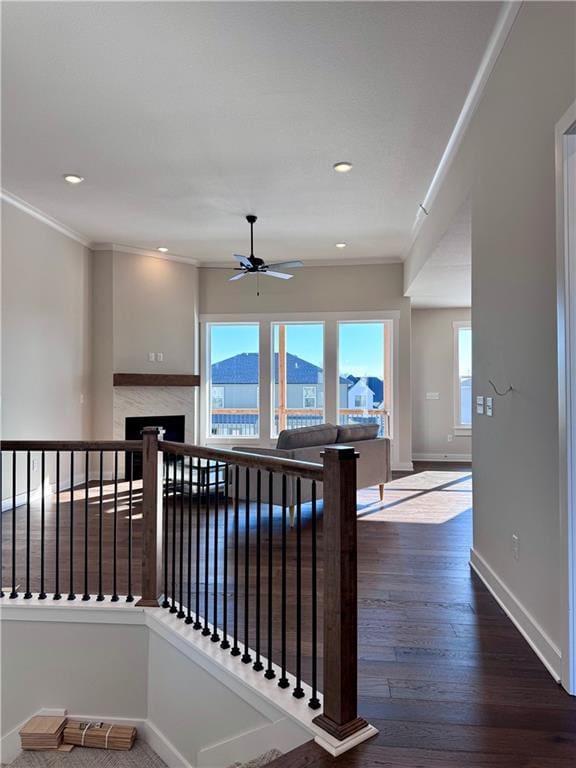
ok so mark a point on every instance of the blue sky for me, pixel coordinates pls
(361, 344)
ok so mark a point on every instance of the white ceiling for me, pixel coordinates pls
(445, 280)
(185, 116)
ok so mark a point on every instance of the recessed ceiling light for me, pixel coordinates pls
(73, 178)
(340, 245)
(163, 250)
(342, 167)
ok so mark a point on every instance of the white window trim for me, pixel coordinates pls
(460, 430)
(206, 394)
(330, 320)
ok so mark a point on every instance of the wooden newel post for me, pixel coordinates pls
(340, 718)
(151, 516)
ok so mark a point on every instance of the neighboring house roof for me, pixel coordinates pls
(373, 383)
(243, 369)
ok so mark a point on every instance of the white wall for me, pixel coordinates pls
(433, 371)
(123, 663)
(506, 163)
(46, 318)
(376, 287)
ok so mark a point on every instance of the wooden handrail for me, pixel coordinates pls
(304, 469)
(71, 445)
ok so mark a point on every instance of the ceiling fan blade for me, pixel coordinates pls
(287, 264)
(238, 277)
(243, 260)
(282, 275)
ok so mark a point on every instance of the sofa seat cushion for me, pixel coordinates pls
(304, 437)
(354, 432)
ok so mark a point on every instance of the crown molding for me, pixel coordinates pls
(135, 251)
(495, 45)
(362, 262)
(36, 213)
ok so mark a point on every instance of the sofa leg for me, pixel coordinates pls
(381, 489)
(291, 510)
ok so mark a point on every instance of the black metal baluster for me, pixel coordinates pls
(71, 595)
(166, 493)
(86, 595)
(188, 619)
(197, 622)
(57, 595)
(206, 630)
(1, 525)
(314, 702)
(173, 608)
(27, 593)
(100, 595)
(270, 674)
(42, 595)
(258, 666)
(215, 636)
(246, 657)
(283, 682)
(235, 650)
(130, 596)
(13, 593)
(181, 613)
(225, 643)
(115, 533)
(298, 692)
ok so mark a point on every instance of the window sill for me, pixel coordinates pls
(462, 431)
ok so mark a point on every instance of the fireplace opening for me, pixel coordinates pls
(173, 430)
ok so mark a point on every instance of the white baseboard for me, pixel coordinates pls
(50, 489)
(402, 466)
(546, 650)
(442, 457)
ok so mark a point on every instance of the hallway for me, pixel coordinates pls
(443, 674)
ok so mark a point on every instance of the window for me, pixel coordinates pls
(309, 397)
(365, 374)
(463, 374)
(234, 377)
(297, 375)
(217, 397)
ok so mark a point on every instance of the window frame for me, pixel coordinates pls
(459, 428)
(207, 410)
(308, 397)
(331, 376)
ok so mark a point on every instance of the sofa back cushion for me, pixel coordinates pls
(303, 437)
(354, 432)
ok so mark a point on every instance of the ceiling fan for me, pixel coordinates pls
(251, 265)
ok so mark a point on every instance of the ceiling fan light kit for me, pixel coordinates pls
(251, 265)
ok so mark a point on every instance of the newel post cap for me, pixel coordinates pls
(340, 452)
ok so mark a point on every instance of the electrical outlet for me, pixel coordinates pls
(34, 465)
(151, 357)
(489, 406)
(432, 395)
(516, 546)
(480, 405)
(160, 357)
(450, 437)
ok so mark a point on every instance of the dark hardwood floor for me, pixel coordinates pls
(443, 674)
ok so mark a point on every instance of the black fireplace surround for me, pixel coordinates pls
(173, 430)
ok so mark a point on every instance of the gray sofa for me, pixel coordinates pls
(307, 444)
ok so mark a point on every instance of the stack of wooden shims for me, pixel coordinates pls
(99, 735)
(42, 732)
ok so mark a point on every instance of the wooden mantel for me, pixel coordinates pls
(156, 380)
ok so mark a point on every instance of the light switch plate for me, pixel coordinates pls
(480, 405)
(489, 406)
